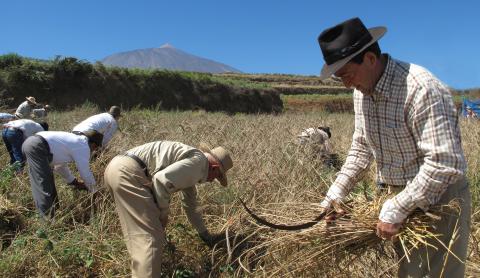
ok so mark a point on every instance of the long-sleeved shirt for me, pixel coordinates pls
(104, 123)
(175, 167)
(24, 110)
(6, 117)
(67, 147)
(410, 127)
(39, 113)
(28, 127)
(312, 135)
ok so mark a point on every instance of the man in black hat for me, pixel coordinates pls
(405, 119)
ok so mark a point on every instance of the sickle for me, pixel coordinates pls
(284, 227)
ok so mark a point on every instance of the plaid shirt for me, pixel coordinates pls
(410, 126)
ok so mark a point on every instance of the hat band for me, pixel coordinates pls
(348, 50)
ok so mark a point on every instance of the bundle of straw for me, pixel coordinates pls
(338, 246)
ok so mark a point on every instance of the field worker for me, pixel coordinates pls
(316, 135)
(6, 117)
(57, 148)
(470, 113)
(25, 109)
(406, 120)
(105, 123)
(15, 133)
(317, 140)
(40, 113)
(143, 180)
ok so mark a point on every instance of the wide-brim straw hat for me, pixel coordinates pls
(341, 43)
(225, 161)
(32, 100)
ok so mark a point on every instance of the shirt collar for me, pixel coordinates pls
(382, 88)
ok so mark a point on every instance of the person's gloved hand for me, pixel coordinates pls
(211, 239)
(78, 185)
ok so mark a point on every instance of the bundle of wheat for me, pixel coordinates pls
(341, 245)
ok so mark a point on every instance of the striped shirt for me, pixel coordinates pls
(410, 127)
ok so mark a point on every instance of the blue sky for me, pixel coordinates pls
(253, 36)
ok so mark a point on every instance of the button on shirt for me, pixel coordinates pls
(24, 110)
(175, 167)
(67, 147)
(104, 123)
(28, 127)
(410, 127)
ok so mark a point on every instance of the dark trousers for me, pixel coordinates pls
(13, 139)
(453, 229)
(42, 182)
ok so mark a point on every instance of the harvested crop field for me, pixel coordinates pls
(276, 177)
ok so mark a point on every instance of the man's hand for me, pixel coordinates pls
(211, 239)
(78, 185)
(334, 211)
(387, 230)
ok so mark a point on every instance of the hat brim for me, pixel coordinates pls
(222, 178)
(34, 102)
(329, 70)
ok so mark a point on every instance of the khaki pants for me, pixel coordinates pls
(428, 262)
(139, 215)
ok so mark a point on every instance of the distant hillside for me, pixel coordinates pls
(165, 57)
(67, 82)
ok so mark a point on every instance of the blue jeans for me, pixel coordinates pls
(13, 139)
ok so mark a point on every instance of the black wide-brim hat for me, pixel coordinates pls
(340, 43)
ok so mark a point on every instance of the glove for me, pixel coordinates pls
(78, 185)
(211, 240)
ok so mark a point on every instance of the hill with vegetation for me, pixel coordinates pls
(66, 82)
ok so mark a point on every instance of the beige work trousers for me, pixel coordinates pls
(139, 215)
(428, 262)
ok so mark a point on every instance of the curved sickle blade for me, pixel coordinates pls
(280, 226)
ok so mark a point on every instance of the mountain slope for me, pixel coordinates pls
(165, 57)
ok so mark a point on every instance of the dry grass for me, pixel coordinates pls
(278, 178)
